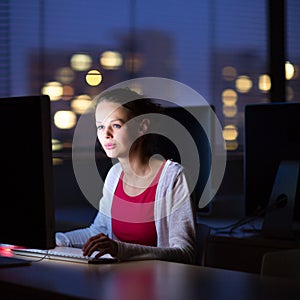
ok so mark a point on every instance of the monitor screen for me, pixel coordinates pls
(272, 155)
(186, 116)
(27, 205)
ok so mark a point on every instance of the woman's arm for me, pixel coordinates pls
(78, 237)
(102, 221)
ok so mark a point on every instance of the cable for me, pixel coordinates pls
(280, 202)
(40, 259)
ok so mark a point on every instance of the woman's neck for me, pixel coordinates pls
(136, 167)
(139, 175)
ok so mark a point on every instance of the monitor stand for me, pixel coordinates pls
(278, 220)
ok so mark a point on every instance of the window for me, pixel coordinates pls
(74, 51)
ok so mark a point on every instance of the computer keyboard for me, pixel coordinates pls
(65, 254)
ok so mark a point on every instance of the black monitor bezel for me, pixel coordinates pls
(278, 127)
(28, 216)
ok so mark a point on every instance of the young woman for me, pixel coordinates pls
(145, 211)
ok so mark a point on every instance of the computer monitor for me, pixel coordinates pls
(27, 207)
(271, 166)
(186, 116)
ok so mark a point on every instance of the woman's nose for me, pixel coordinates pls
(108, 132)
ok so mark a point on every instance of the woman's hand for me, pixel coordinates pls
(101, 243)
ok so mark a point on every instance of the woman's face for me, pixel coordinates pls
(114, 134)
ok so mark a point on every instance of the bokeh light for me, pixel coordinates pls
(229, 73)
(264, 83)
(229, 97)
(65, 119)
(81, 103)
(111, 60)
(81, 62)
(243, 84)
(93, 77)
(53, 89)
(65, 75)
(289, 70)
(230, 132)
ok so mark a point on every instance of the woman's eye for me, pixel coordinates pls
(100, 127)
(117, 126)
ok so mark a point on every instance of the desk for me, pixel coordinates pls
(142, 280)
(241, 250)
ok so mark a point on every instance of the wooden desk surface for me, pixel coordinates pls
(143, 280)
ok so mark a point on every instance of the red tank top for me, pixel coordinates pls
(133, 216)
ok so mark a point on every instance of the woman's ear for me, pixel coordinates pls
(144, 126)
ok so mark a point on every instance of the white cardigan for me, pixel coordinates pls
(173, 213)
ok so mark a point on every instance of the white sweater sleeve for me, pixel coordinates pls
(102, 221)
(78, 237)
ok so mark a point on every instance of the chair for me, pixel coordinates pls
(202, 236)
(283, 263)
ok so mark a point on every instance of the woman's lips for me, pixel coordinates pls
(110, 146)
